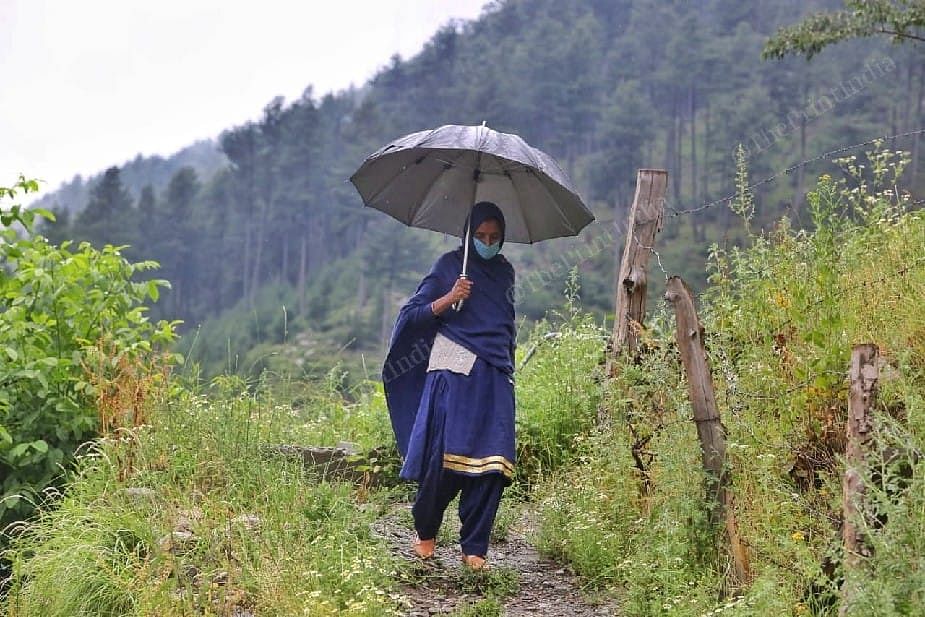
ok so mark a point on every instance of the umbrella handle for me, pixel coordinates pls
(457, 306)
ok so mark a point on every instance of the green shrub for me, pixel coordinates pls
(485, 607)
(59, 307)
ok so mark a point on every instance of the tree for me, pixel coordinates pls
(240, 146)
(147, 209)
(107, 218)
(298, 204)
(627, 122)
(57, 229)
(179, 236)
(902, 20)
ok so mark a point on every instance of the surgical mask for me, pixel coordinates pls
(487, 251)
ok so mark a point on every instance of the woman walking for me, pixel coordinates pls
(449, 386)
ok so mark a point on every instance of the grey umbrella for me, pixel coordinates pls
(431, 179)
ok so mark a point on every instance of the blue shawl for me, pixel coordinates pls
(484, 326)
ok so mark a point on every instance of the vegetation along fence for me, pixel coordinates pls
(644, 221)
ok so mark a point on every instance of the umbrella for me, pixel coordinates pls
(431, 179)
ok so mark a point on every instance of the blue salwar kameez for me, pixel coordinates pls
(454, 431)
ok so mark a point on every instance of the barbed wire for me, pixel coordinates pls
(776, 329)
(658, 258)
(675, 212)
(736, 399)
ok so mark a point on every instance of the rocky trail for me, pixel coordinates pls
(520, 581)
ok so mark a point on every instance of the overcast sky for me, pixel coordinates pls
(91, 83)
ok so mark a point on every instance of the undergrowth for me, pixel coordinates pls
(190, 515)
(557, 387)
(781, 317)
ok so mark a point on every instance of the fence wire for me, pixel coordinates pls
(786, 172)
(735, 399)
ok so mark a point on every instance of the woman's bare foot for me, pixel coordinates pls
(424, 548)
(474, 562)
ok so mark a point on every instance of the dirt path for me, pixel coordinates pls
(521, 581)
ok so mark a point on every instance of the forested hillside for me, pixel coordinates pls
(203, 156)
(276, 247)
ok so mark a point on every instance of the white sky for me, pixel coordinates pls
(88, 84)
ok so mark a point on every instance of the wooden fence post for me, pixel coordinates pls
(706, 416)
(645, 220)
(863, 375)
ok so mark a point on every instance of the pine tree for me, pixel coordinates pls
(108, 217)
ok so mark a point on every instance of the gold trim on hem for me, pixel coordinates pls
(479, 470)
(478, 465)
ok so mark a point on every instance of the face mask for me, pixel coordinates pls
(487, 251)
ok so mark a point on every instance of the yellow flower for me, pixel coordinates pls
(781, 300)
(797, 536)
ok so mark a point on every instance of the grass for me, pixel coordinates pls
(221, 528)
(557, 389)
(189, 514)
(484, 607)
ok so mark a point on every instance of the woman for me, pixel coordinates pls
(450, 391)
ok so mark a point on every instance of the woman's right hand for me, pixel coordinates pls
(461, 290)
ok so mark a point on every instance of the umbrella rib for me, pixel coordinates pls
(535, 161)
(538, 167)
(404, 168)
(453, 163)
(555, 203)
(429, 135)
(484, 172)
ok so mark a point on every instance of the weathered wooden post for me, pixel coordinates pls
(645, 220)
(706, 417)
(863, 376)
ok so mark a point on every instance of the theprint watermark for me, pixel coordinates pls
(396, 367)
(765, 137)
(543, 277)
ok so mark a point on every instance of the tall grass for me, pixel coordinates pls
(204, 521)
(557, 387)
(190, 513)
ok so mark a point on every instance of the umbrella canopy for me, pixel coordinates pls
(431, 179)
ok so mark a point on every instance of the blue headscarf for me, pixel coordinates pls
(484, 326)
(480, 213)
